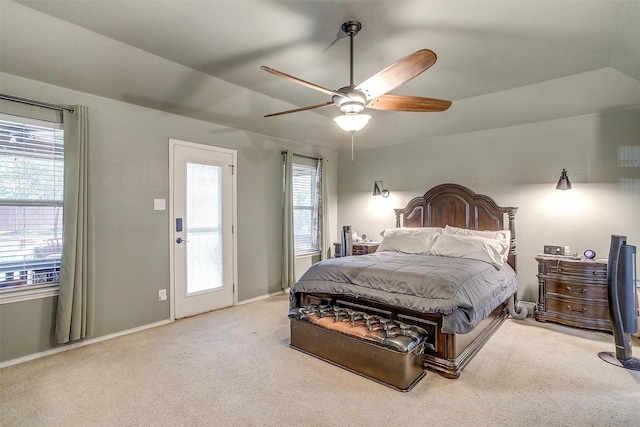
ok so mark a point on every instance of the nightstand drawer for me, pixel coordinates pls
(593, 272)
(577, 290)
(578, 309)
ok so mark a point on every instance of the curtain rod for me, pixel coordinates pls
(36, 103)
(303, 156)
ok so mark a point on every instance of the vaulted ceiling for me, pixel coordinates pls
(502, 63)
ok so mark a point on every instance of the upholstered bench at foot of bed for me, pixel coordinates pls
(384, 350)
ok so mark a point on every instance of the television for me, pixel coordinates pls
(623, 304)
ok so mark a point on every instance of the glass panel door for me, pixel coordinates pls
(204, 227)
(203, 267)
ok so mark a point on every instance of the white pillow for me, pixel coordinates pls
(409, 240)
(501, 235)
(493, 251)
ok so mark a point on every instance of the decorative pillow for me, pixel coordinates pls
(501, 235)
(409, 240)
(493, 251)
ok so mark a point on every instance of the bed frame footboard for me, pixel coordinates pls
(446, 354)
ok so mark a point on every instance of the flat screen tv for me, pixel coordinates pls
(623, 304)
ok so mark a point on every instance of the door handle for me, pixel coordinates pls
(180, 240)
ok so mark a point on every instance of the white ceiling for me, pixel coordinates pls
(502, 63)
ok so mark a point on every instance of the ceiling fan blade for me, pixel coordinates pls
(302, 82)
(397, 73)
(326, 104)
(408, 103)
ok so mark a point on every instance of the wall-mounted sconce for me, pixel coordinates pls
(563, 182)
(378, 190)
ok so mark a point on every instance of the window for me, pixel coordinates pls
(31, 191)
(306, 207)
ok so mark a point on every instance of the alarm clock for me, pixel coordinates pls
(589, 254)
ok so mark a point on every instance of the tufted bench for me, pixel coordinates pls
(384, 350)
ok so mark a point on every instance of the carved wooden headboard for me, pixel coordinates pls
(457, 206)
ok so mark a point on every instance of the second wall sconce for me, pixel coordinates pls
(378, 190)
(563, 182)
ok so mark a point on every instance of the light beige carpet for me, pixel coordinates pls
(233, 367)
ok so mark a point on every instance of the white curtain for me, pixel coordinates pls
(76, 306)
(288, 254)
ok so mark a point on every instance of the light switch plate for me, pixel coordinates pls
(159, 205)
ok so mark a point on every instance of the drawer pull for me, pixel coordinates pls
(584, 310)
(571, 291)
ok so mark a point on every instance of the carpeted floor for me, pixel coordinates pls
(233, 367)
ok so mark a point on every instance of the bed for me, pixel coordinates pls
(460, 313)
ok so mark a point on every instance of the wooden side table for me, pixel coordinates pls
(360, 248)
(573, 292)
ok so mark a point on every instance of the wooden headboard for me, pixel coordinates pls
(457, 206)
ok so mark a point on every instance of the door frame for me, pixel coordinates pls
(234, 217)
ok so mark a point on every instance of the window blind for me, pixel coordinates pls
(305, 209)
(31, 193)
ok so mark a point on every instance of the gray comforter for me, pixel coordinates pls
(465, 291)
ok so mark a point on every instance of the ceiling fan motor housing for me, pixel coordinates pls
(352, 103)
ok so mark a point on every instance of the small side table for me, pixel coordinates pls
(573, 292)
(359, 248)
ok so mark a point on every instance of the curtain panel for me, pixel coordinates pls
(288, 251)
(323, 229)
(76, 304)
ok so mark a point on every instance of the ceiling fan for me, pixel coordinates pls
(372, 93)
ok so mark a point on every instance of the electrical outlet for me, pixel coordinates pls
(162, 295)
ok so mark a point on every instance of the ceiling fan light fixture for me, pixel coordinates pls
(352, 122)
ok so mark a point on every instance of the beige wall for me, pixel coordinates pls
(129, 150)
(518, 166)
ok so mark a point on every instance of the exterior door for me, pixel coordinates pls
(202, 203)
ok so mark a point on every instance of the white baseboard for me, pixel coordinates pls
(79, 344)
(261, 297)
(115, 335)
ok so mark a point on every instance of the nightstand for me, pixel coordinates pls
(573, 292)
(360, 248)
